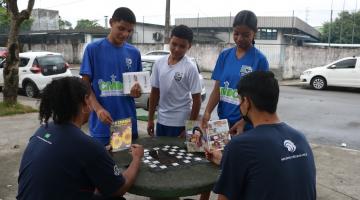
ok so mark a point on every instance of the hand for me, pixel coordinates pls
(104, 116)
(204, 121)
(135, 90)
(150, 128)
(182, 134)
(137, 151)
(213, 156)
(238, 127)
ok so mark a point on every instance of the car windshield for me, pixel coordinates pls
(50, 60)
(147, 66)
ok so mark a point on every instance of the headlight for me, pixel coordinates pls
(306, 73)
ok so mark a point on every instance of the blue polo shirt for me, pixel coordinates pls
(269, 162)
(62, 162)
(105, 63)
(228, 71)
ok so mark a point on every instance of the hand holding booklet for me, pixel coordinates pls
(121, 134)
(215, 137)
(143, 78)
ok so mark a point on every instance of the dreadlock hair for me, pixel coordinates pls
(62, 98)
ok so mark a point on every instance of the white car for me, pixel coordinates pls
(37, 69)
(157, 53)
(344, 73)
(147, 64)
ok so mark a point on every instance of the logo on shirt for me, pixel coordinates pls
(128, 63)
(117, 170)
(110, 88)
(178, 76)
(45, 138)
(290, 146)
(228, 94)
(245, 69)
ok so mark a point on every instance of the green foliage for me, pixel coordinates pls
(14, 109)
(342, 27)
(5, 22)
(63, 24)
(85, 24)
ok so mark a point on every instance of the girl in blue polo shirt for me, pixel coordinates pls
(231, 65)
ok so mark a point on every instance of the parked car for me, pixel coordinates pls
(344, 73)
(37, 69)
(148, 63)
(157, 53)
(3, 52)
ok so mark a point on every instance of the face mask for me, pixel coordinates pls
(245, 117)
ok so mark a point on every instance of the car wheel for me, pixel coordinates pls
(31, 89)
(318, 83)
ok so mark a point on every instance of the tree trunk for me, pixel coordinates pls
(11, 69)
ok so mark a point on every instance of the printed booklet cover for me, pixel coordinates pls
(121, 134)
(218, 134)
(143, 78)
(195, 136)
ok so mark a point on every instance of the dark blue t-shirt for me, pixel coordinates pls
(269, 162)
(61, 162)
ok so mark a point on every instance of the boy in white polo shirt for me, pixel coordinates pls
(178, 94)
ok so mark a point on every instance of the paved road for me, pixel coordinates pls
(326, 117)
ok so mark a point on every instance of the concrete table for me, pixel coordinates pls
(177, 182)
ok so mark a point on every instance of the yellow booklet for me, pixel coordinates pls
(121, 134)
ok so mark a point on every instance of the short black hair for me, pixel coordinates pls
(183, 32)
(247, 18)
(124, 14)
(262, 88)
(62, 99)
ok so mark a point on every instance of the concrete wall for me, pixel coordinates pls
(45, 20)
(298, 59)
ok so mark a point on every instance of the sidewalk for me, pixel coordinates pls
(338, 169)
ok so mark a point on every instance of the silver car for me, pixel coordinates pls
(147, 64)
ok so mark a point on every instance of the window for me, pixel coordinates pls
(147, 66)
(23, 62)
(266, 34)
(346, 64)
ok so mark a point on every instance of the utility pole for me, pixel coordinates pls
(353, 28)
(106, 21)
(331, 13)
(167, 26)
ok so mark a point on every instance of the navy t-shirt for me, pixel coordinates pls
(268, 162)
(61, 162)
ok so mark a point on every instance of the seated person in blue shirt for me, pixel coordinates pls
(61, 161)
(272, 161)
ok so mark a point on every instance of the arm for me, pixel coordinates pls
(103, 115)
(137, 152)
(213, 101)
(195, 106)
(153, 102)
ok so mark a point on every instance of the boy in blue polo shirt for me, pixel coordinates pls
(103, 64)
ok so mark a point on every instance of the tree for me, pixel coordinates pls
(5, 21)
(85, 24)
(63, 24)
(11, 69)
(344, 29)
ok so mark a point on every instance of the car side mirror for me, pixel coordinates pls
(332, 67)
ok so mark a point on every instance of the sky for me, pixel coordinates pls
(314, 12)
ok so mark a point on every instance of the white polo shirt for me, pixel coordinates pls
(176, 84)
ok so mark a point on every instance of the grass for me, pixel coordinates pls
(142, 115)
(6, 110)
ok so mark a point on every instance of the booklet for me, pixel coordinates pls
(195, 136)
(218, 134)
(121, 134)
(143, 78)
